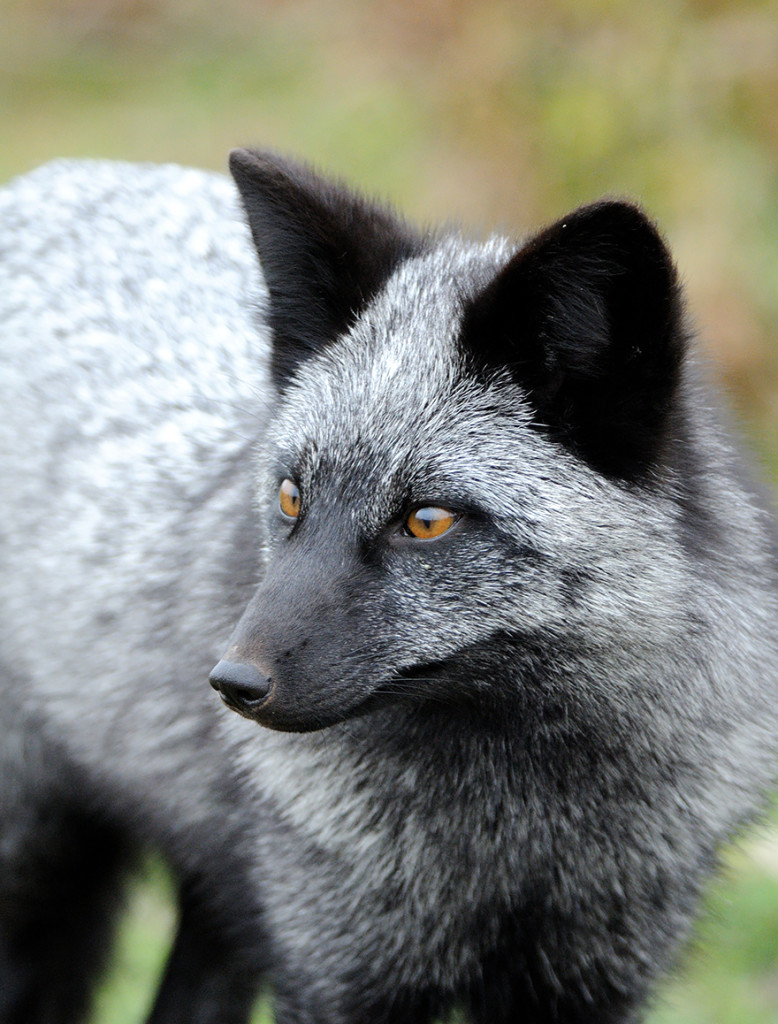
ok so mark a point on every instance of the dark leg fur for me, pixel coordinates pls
(58, 902)
(212, 974)
(60, 874)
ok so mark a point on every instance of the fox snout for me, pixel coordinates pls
(242, 687)
(296, 660)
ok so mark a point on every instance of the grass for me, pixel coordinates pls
(142, 945)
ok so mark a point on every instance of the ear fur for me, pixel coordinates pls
(587, 318)
(324, 251)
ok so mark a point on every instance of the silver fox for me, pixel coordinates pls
(456, 521)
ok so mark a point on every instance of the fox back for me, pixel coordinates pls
(478, 566)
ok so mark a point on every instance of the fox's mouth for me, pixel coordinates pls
(426, 681)
(423, 672)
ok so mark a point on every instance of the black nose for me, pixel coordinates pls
(242, 687)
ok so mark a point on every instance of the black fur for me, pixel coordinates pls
(57, 911)
(587, 317)
(325, 252)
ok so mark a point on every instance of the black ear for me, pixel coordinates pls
(587, 318)
(324, 251)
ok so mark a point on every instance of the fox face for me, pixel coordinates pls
(466, 455)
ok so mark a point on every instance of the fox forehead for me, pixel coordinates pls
(395, 388)
(414, 320)
(399, 363)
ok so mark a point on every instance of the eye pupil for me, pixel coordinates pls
(289, 498)
(429, 522)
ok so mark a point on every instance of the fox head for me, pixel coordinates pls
(465, 463)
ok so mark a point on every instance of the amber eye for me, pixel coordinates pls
(429, 522)
(289, 499)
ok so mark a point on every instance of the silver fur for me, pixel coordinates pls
(139, 441)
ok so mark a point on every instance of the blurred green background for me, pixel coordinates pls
(489, 113)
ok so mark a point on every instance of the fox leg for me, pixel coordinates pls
(214, 968)
(60, 875)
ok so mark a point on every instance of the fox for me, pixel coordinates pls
(408, 593)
